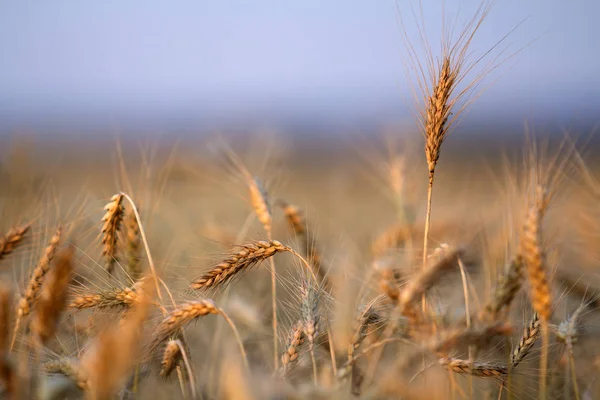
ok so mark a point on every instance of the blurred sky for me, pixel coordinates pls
(265, 61)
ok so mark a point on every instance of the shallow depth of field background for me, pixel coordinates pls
(105, 97)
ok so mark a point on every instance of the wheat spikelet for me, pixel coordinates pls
(474, 368)
(70, 368)
(248, 256)
(116, 297)
(170, 358)
(506, 290)
(132, 246)
(531, 333)
(419, 285)
(53, 297)
(111, 223)
(293, 342)
(181, 316)
(11, 239)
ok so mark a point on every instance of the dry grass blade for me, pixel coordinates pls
(474, 368)
(11, 239)
(53, 297)
(531, 333)
(111, 223)
(249, 255)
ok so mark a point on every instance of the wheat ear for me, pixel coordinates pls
(248, 256)
(170, 358)
(111, 224)
(132, 245)
(116, 297)
(533, 256)
(53, 297)
(12, 239)
(531, 333)
(186, 313)
(474, 368)
(27, 302)
(506, 290)
(297, 223)
(293, 342)
(419, 285)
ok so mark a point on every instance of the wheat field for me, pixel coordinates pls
(406, 265)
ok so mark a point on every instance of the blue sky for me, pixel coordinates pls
(115, 61)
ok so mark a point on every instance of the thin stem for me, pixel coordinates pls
(544, 360)
(237, 337)
(314, 363)
(188, 367)
(145, 241)
(573, 373)
(427, 218)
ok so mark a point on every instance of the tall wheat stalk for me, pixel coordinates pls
(437, 79)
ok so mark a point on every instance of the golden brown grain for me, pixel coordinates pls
(12, 239)
(111, 224)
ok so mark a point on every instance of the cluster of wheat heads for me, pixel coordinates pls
(419, 327)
